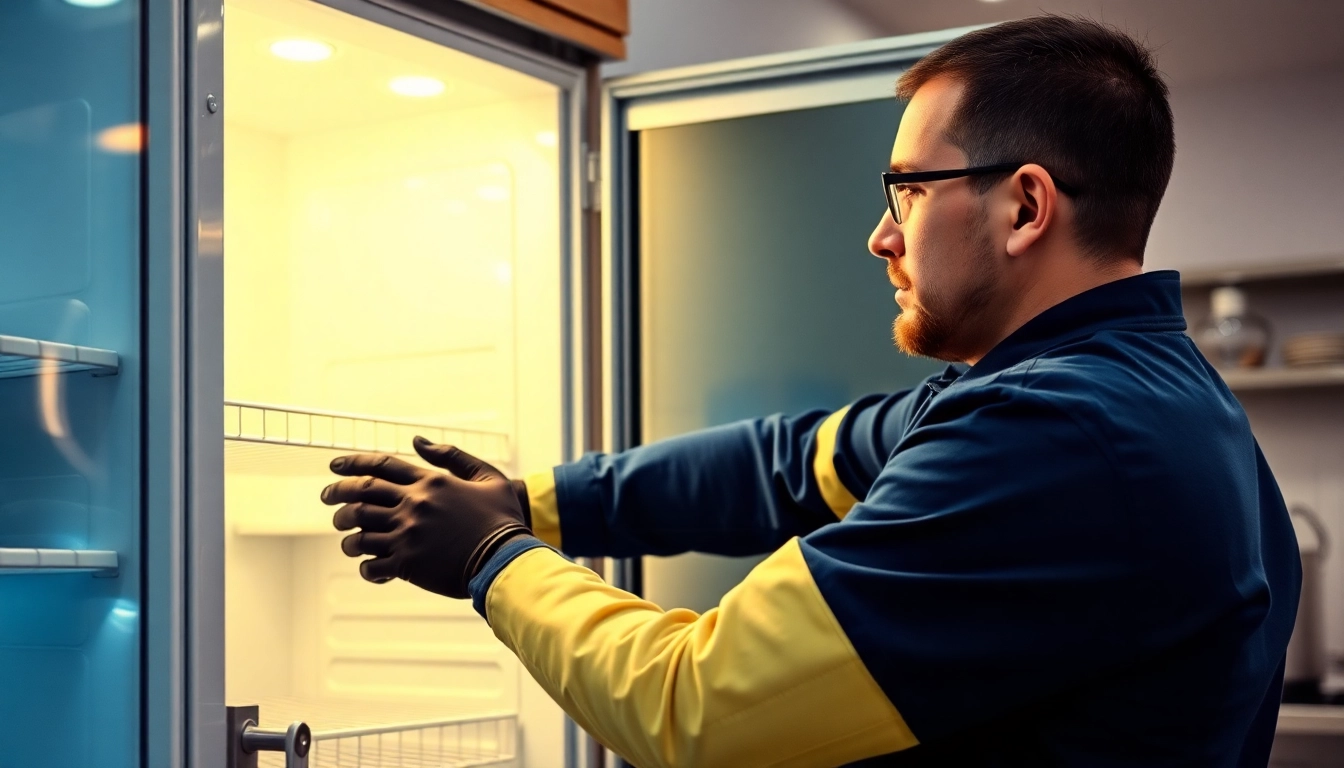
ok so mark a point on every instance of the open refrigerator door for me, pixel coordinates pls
(394, 249)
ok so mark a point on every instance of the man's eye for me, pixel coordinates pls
(907, 192)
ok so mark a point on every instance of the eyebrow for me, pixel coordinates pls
(899, 167)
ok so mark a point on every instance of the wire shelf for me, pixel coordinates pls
(387, 735)
(31, 357)
(272, 439)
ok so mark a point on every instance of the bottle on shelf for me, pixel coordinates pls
(1232, 336)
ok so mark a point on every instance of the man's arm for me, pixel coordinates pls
(994, 564)
(739, 489)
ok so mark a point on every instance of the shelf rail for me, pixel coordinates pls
(31, 357)
(287, 427)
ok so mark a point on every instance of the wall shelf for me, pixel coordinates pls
(377, 733)
(1314, 719)
(1257, 273)
(29, 357)
(33, 561)
(281, 440)
(1268, 379)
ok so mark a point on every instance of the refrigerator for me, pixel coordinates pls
(238, 240)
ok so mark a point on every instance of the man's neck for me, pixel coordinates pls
(1056, 283)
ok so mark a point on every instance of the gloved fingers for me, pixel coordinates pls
(366, 489)
(455, 460)
(379, 465)
(379, 569)
(366, 516)
(365, 543)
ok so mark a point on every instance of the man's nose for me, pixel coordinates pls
(886, 242)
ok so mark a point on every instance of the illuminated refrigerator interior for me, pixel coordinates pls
(393, 268)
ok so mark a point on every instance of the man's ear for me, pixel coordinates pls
(1035, 201)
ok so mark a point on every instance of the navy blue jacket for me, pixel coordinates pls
(1072, 553)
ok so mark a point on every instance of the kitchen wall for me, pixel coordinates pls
(673, 34)
(1259, 163)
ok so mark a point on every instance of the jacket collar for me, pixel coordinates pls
(1146, 302)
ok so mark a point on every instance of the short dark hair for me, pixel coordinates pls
(1082, 99)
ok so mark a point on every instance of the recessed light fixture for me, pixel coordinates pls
(92, 3)
(299, 49)
(492, 193)
(416, 86)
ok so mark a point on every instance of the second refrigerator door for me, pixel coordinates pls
(740, 202)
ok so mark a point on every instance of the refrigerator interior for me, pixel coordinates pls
(393, 262)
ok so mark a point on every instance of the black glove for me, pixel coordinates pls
(433, 529)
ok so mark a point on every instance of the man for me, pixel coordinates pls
(1071, 553)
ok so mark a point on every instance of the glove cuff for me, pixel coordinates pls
(520, 490)
(488, 546)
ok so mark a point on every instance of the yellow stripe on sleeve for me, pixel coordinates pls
(545, 509)
(766, 678)
(834, 492)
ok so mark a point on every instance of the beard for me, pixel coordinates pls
(944, 324)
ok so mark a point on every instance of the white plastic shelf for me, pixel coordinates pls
(33, 561)
(281, 440)
(1284, 378)
(374, 733)
(30, 357)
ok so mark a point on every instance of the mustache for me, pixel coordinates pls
(897, 277)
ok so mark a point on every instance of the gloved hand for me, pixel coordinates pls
(433, 529)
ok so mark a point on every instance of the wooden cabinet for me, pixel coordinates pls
(598, 25)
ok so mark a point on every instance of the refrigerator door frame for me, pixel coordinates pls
(181, 207)
(184, 97)
(819, 77)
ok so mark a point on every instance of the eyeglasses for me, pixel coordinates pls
(892, 182)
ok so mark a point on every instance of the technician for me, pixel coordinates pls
(1070, 553)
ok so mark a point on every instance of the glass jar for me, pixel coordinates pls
(1232, 336)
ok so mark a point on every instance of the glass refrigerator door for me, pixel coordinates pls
(747, 191)
(70, 384)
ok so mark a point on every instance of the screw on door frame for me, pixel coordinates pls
(211, 104)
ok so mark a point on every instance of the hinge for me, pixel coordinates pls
(593, 179)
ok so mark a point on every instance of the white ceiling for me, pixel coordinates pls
(282, 97)
(1195, 40)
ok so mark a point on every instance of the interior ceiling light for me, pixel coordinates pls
(92, 3)
(547, 138)
(492, 193)
(416, 86)
(298, 49)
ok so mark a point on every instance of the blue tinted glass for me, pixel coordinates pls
(759, 294)
(69, 429)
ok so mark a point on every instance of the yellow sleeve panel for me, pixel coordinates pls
(768, 678)
(545, 509)
(834, 492)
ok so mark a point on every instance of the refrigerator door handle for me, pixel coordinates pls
(246, 740)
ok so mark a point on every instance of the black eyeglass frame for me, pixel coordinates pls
(892, 179)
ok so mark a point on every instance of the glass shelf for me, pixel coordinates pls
(280, 440)
(31, 561)
(30, 357)
(1284, 378)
